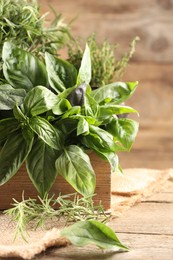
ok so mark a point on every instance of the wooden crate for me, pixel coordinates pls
(21, 182)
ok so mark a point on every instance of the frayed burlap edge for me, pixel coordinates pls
(51, 238)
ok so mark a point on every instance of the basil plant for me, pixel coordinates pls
(50, 118)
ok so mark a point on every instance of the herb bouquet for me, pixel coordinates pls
(50, 118)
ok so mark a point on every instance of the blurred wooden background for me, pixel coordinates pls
(152, 65)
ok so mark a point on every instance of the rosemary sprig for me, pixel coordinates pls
(22, 23)
(71, 208)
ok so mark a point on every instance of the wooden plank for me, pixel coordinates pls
(146, 218)
(153, 97)
(89, 253)
(153, 147)
(164, 196)
(145, 159)
(160, 198)
(120, 21)
(141, 247)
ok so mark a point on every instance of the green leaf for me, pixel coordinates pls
(72, 111)
(21, 69)
(9, 97)
(39, 100)
(66, 92)
(99, 140)
(92, 232)
(61, 74)
(84, 75)
(82, 127)
(61, 107)
(90, 106)
(89, 119)
(116, 92)
(40, 166)
(67, 125)
(74, 165)
(124, 130)
(7, 126)
(18, 114)
(12, 155)
(27, 132)
(46, 132)
(111, 157)
(108, 110)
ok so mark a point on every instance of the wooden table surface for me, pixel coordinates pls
(147, 229)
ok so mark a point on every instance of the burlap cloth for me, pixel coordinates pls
(135, 185)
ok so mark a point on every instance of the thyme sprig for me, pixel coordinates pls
(105, 66)
(35, 213)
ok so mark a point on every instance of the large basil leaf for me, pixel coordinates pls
(74, 165)
(84, 75)
(7, 126)
(46, 132)
(101, 146)
(12, 155)
(107, 110)
(115, 92)
(9, 97)
(99, 140)
(21, 69)
(40, 165)
(92, 232)
(61, 73)
(124, 130)
(39, 100)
